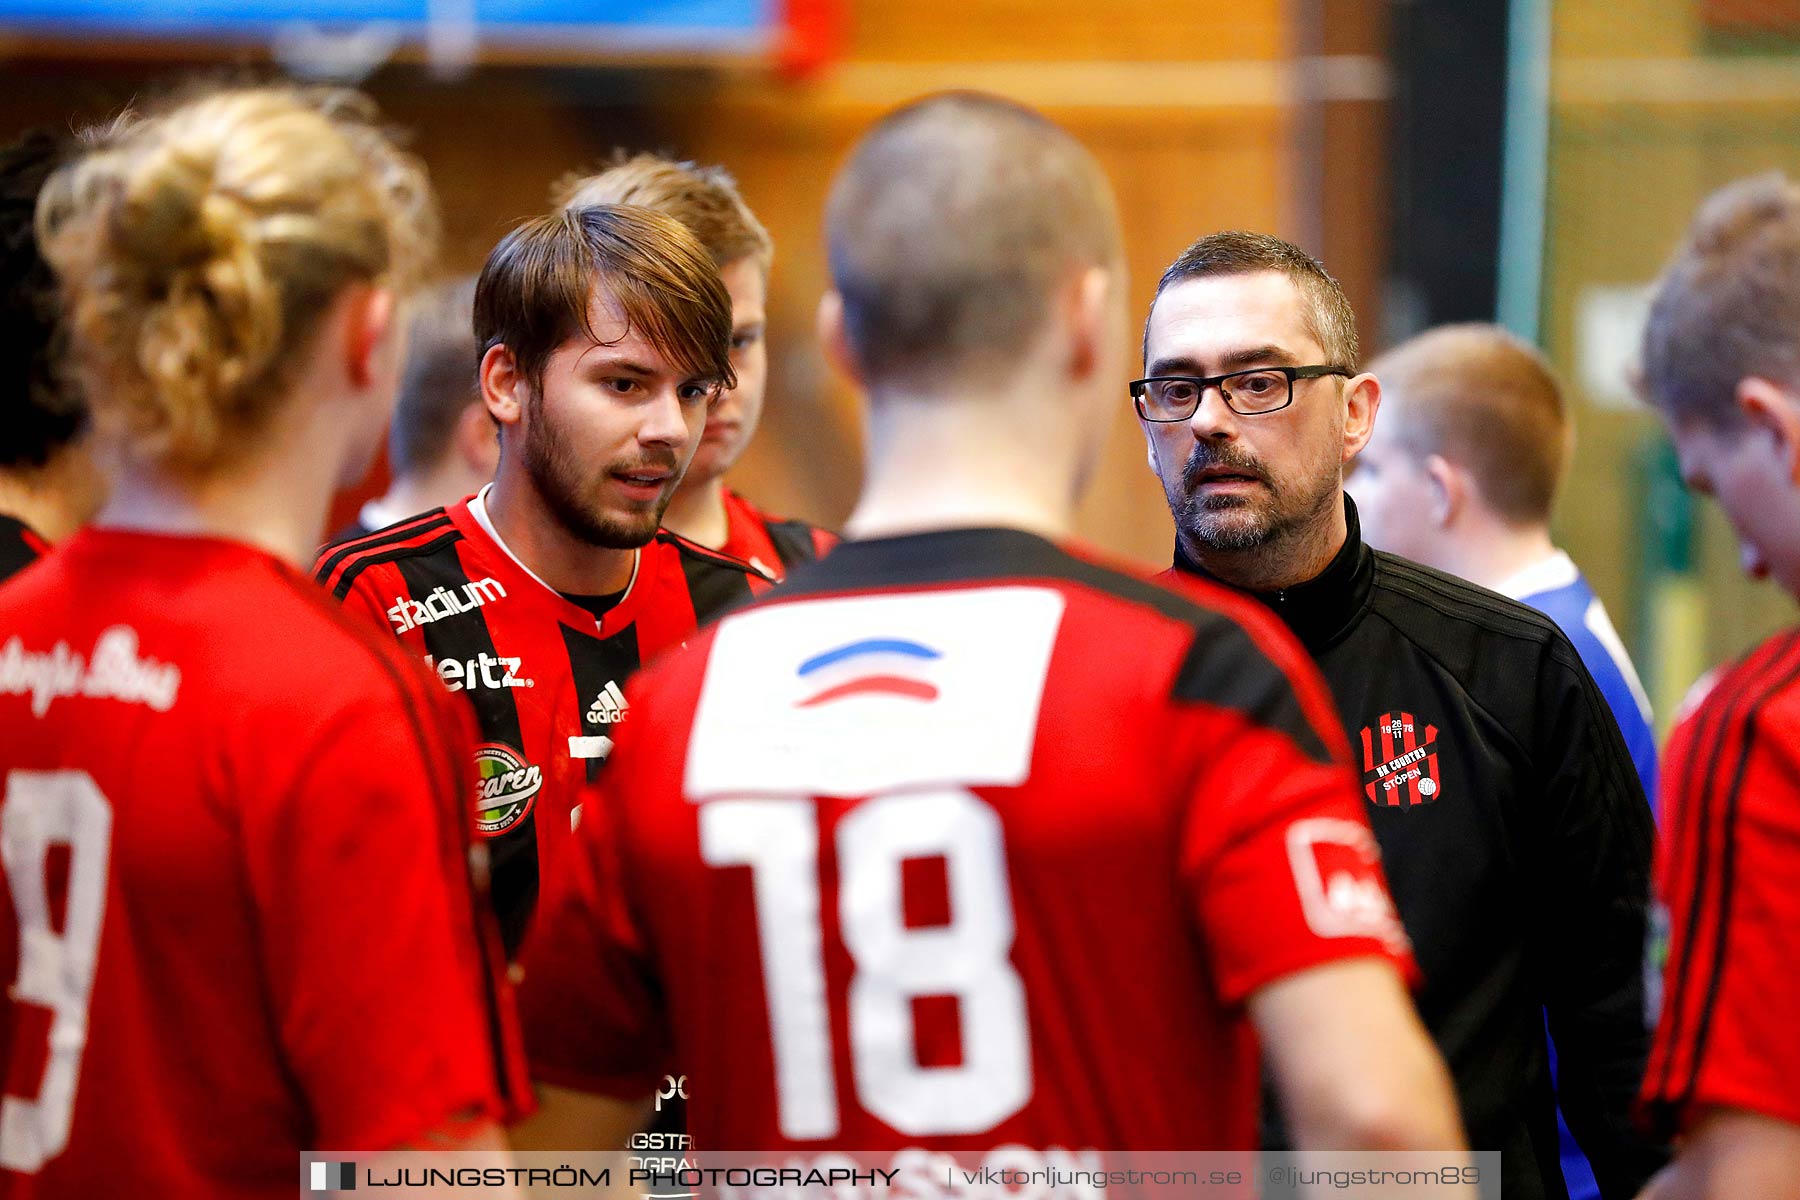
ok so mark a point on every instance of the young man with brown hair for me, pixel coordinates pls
(1722, 369)
(605, 338)
(706, 200)
(1513, 826)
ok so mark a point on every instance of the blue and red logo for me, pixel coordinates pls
(870, 667)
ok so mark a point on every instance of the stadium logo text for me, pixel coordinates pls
(408, 613)
(484, 670)
(112, 672)
(506, 786)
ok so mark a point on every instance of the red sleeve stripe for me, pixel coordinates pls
(1717, 758)
(339, 564)
(454, 834)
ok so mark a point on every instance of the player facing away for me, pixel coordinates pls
(48, 482)
(441, 444)
(239, 912)
(1721, 366)
(605, 335)
(706, 200)
(911, 852)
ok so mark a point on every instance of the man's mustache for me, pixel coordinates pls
(1213, 455)
(654, 461)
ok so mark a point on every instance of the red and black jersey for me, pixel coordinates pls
(544, 676)
(20, 546)
(237, 917)
(773, 545)
(909, 853)
(1726, 873)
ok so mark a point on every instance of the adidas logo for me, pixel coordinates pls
(609, 708)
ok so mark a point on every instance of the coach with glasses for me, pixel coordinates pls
(1514, 830)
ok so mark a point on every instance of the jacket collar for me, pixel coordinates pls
(1326, 607)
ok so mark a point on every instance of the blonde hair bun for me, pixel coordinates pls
(198, 247)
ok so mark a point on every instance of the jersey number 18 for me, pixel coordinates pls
(969, 958)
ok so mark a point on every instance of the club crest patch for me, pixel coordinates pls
(1400, 761)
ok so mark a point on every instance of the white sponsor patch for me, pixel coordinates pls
(113, 671)
(595, 746)
(1337, 868)
(858, 695)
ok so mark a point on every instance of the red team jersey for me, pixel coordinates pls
(544, 677)
(237, 893)
(960, 839)
(773, 545)
(1727, 871)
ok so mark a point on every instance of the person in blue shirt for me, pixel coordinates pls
(1556, 587)
(1462, 474)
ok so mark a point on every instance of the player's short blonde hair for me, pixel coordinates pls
(1489, 401)
(705, 199)
(949, 229)
(198, 247)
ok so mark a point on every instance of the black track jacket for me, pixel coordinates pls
(1517, 843)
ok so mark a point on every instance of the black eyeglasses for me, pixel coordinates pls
(1247, 393)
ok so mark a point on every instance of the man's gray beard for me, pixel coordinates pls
(1225, 523)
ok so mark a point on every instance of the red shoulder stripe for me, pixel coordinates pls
(347, 559)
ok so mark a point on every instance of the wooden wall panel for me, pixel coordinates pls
(1190, 106)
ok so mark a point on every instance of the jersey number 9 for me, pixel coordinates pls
(56, 970)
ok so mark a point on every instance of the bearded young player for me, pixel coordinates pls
(706, 200)
(605, 336)
(912, 854)
(1721, 367)
(48, 484)
(239, 919)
